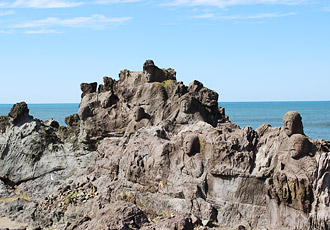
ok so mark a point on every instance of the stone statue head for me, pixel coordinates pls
(191, 144)
(292, 123)
(299, 146)
(150, 70)
(186, 104)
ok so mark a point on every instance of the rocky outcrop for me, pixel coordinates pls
(147, 152)
(34, 159)
(149, 98)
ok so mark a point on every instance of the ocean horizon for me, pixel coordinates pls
(315, 114)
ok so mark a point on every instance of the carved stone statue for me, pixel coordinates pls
(292, 123)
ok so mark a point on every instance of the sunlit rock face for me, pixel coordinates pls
(147, 152)
(292, 123)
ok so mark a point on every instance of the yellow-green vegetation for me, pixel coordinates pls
(202, 144)
(69, 198)
(98, 142)
(215, 224)
(11, 198)
(196, 227)
(161, 216)
(92, 192)
(164, 84)
(161, 184)
(126, 196)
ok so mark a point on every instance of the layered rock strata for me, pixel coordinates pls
(148, 152)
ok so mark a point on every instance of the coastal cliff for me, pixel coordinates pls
(147, 152)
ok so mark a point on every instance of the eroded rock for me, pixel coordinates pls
(166, 157)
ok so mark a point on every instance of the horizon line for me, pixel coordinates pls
(50, 103)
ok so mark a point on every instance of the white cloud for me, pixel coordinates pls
(40, 4)
(8, 12)
(257, 16)
(245, 17)
(104, 2)
(42, 32)
(226, 3)
(95, 22)
(207, 15)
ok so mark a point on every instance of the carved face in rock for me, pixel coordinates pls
(149, 71)
(209, 98)
(185, 105)
(292, 123)
(191, 144)
(299, 146)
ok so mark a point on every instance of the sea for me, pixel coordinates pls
(315, 114)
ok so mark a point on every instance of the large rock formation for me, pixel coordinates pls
(148, 152)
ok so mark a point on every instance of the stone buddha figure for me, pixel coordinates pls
(299, 146)
(292, 123)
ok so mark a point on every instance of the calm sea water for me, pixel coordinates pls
(315, 115)
(46, 111)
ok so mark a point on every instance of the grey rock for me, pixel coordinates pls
(4, 123)
(166, 157)
(177, 223)
(33, 157)
(118, 215)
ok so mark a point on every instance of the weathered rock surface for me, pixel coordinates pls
(33, 157)
(148, 152)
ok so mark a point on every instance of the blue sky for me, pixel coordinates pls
(246, 50)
